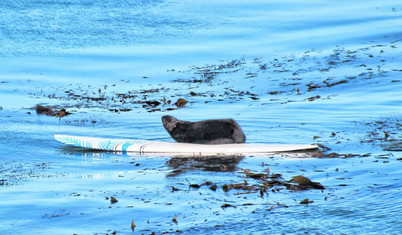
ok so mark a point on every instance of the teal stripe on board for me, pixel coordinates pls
(125, 146)
(107, 145)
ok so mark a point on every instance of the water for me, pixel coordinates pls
(288, 71)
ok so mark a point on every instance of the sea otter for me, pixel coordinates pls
(215, 131)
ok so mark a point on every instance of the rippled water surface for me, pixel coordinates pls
(326, 72)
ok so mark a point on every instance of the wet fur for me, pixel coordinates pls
(215, 131)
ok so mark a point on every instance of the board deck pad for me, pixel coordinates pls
(145, 147)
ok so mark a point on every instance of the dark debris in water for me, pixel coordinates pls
(226, 205)
(113, 200)
(15, 173)
(261, 184)
(151, 100)
(288, 79)
(304, 183)
(397, 146)
(133, 226)
(386, 132)
(208, 73)
(306, 201)
(320, 154)
(48, 111)
(55, 215)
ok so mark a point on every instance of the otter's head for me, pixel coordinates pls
(169, 122)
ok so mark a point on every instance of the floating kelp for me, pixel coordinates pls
(261, 184)
(303, 183)
(113, 200)
(42, 110)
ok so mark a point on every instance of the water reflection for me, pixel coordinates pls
(93, 176)
(179, 162)
(206, 163)
(84, 154)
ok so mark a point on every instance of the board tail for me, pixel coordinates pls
(73, 140)
(118, 145)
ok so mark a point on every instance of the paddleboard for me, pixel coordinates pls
(158, 147)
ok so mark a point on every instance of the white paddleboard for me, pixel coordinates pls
(146, 147)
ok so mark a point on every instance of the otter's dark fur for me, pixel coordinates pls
(214, 131)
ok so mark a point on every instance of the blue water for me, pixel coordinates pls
(288, 71)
